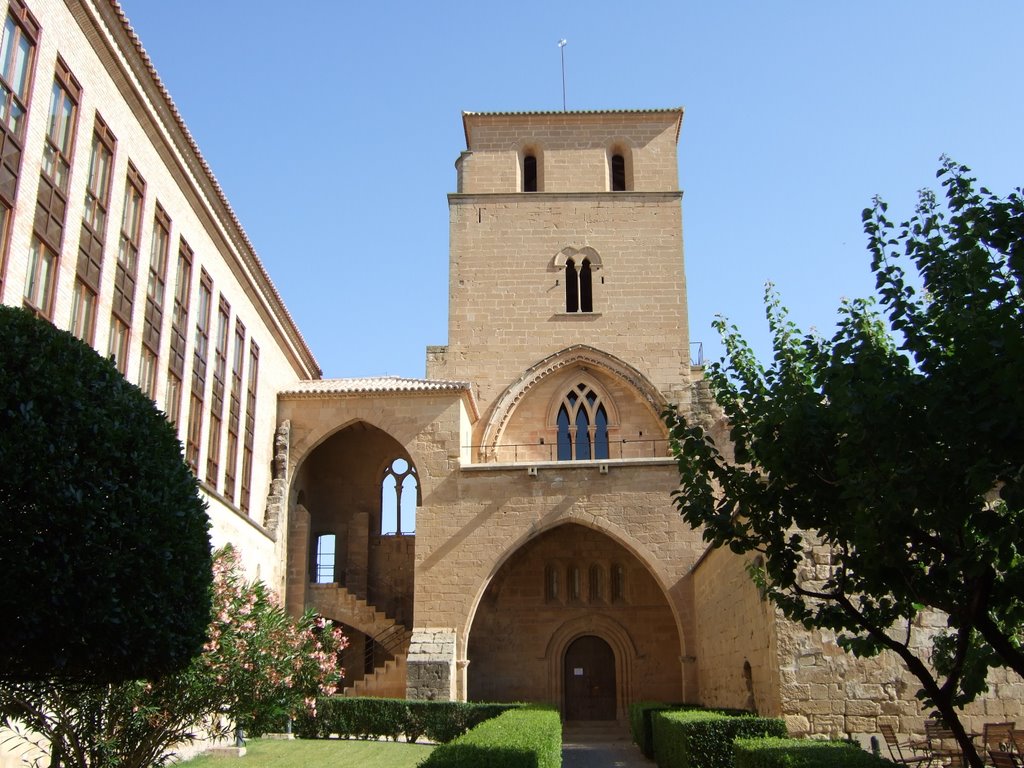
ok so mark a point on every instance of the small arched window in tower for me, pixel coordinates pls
(582, 423)
(579, 287)
(618, 173)
(398, 499)
(324, 565)
(529, 173)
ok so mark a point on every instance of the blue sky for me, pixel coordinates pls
(333, 128)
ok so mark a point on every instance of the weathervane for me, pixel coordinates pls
(561, 48)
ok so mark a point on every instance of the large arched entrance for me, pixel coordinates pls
(589, 680)
(352, 548)
(571, 598)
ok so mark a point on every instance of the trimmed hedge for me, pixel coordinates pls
(803, 753)
(640, 723)
(703, 739)
(373, 718)
(530, 737)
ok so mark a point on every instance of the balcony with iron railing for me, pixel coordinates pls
(617, 453)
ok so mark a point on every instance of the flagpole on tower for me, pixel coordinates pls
(561, 47)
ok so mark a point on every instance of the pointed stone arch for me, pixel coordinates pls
(580, 356)
(504, 595)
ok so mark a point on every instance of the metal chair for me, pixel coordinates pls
(1003, 759)
(942, 744)
(997, 736)
(896, 749)
(1017, 739)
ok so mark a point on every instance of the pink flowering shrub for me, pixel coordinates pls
(260, 663)
(257, 668)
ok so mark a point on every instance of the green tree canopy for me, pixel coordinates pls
(880, 471)
(104, 545)
(258, 668)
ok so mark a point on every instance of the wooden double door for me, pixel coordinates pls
(589, 681)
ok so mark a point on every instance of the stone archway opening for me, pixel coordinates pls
(351, 543)
(565, 584)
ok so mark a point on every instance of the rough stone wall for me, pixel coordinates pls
(735, 637)
(431, 665)
(826, 691)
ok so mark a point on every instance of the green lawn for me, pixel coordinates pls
(302, 753)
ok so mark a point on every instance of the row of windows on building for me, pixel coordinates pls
(575, 584)
(17, 62)
(532, 170)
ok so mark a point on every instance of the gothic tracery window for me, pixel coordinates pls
(399, 497)
(582, 423)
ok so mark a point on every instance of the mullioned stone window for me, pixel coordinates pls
(582, 422)
(399, 497)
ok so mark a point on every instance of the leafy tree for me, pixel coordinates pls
(257, 668)
(104, 549)
(881, 472)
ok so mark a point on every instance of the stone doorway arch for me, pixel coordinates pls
(589, 689)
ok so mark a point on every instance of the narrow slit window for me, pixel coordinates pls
(575, 583)
(551, 584)
(586, 287)
(596, 584)
(529, 173)
(618, 173)
(572, 287)
(618, 583)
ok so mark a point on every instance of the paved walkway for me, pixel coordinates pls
(600, 745)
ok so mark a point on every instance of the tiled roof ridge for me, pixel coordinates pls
(357, 383)
(381, 385)
(212, 179)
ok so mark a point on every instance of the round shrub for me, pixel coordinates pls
(104, 543)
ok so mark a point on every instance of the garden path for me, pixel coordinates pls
(600, 745)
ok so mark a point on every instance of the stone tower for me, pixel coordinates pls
(566, 229)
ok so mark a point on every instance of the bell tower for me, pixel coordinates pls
(566, 229)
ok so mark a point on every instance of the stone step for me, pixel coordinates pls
(386, 681)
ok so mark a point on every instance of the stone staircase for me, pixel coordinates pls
(388, 679)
